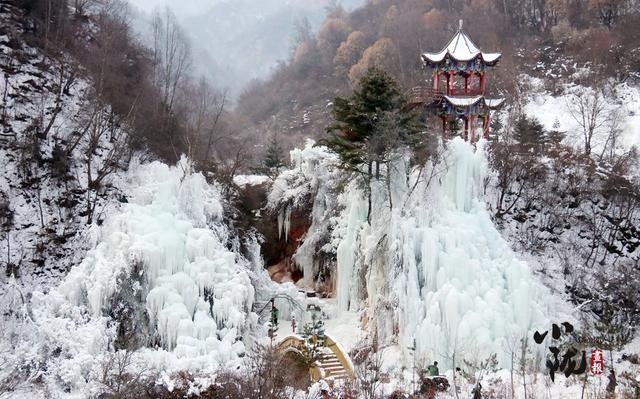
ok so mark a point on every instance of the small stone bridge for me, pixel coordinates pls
(333, 362)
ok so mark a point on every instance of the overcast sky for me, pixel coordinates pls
(186, 7)
(235, 41)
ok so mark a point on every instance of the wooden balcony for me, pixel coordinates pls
(471, 92)
(426, 95)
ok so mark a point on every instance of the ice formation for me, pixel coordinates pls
(169, 240)
(432, 266)
(309, 183)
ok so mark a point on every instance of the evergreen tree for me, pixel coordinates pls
(358, 117)
(496, 128)
(530, 134)
(314, 338)
(371, 125)
(612, 330)
(454, 126)
(555, 136)
(273, 160)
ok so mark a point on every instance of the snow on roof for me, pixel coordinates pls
(250, 180)
(493, 102)
(491, 57)
(463, 101)
(471, 100)
(460, 48)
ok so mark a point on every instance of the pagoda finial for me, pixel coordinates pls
(460, 24)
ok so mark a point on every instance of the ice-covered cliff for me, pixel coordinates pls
(430, 265)
(161, 278)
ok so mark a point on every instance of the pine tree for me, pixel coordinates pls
(555, 135)
(358, 116)
(454, 126)
(273, 160)
(314, 338)
(496, 128)
(370, 125)
(530, 134)
(612, 330)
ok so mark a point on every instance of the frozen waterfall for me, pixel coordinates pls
(169, 243)
(433, 266)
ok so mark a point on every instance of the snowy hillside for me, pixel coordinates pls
(59, 151)
(620, 102)
(104, 254)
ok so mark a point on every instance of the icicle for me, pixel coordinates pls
(284, 223)
(437, 260)
(280, 224)
(196, 292)
(348, 250)
(287, 223)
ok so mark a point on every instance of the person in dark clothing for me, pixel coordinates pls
(433, 370)
(274, 313)
(611, 386)
(477, 391)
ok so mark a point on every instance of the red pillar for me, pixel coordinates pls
(466, 85)
(466, 129)
(482, 83)
(486, 126)
(435, 79)
(448, 83)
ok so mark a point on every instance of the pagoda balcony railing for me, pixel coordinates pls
(424, 94)
(459, 91)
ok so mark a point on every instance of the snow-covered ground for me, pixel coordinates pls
(621, 103)
(250, 180)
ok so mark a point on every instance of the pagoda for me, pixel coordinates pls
(457, 92)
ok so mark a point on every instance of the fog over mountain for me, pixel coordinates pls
(235, 41)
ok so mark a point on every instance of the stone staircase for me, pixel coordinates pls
(329, 363)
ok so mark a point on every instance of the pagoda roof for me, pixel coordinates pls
(460, 48)
(466, 101)
(494, 102)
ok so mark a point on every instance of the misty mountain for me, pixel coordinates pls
(235, 41)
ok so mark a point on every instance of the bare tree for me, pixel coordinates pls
(238, 157)
(63, 85)
(99, 167)
(171, 55)
(588, 109)
(613, 138)
(171, 62)
(517, 173)
(205, 111)
(80, 6)
(368, 372)
(266, 379)
(122, 375)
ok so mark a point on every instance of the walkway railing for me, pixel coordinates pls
(422, 94)
(425, 94)
(294, 343)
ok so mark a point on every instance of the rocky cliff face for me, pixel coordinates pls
(60, 156)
